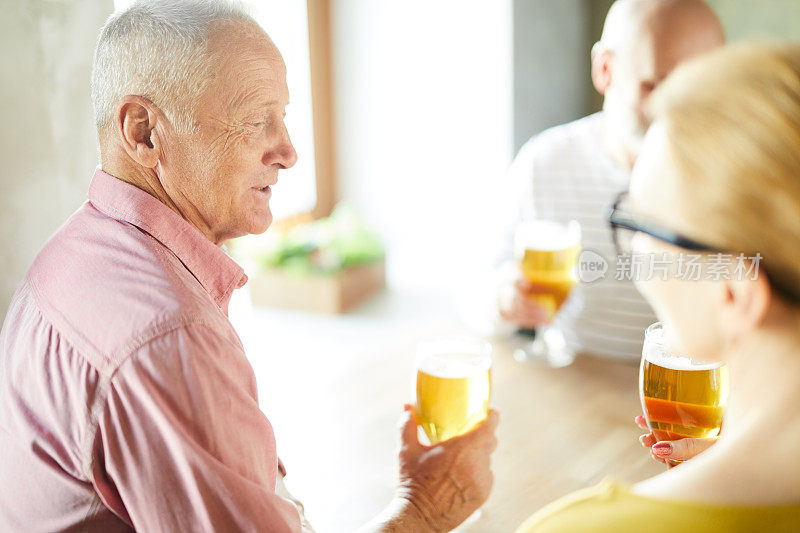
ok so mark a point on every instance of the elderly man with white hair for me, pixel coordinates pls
(127, 400)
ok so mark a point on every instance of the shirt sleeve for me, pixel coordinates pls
(182, 445)
(516, 199)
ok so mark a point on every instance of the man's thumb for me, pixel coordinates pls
(408, 428)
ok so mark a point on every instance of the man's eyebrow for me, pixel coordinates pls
(267, 103)
(249, 101)
(247, 104)
(260, 106)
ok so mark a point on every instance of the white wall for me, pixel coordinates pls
(47, 142)
(423, 126)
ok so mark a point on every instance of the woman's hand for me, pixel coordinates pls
(675, 450)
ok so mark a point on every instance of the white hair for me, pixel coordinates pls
(158, 49)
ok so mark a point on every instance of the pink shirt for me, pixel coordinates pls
(126, 400)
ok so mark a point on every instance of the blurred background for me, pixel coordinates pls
(424, 105)
(405, 116)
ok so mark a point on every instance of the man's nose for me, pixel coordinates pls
(285, 152)
(290, 154)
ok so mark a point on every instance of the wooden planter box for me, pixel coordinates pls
(336, 293)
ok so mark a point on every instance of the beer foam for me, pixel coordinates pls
(658, 355)
(453, 365)
(547, 235)
(657, 343)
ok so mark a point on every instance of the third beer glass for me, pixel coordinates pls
(453, 386)
(681, 396)
(547, 252)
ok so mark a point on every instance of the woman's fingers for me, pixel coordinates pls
(682, 449)
(656, 457)
(676, 450)
(647, 440)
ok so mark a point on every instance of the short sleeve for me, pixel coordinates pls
(182, 444)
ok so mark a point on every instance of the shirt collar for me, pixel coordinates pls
(214, 269)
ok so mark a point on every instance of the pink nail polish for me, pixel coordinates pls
(662, 448)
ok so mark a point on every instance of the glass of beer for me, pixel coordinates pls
(453, 386)
(681, 396)
(547, 253)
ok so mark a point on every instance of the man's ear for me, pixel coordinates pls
(135, 126)
(745, 304)
(602, 59)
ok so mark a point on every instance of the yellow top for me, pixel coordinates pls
(611, 507)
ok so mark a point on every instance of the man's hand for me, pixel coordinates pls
(516, 306)
(446, 482)
(440, 485)
(674, 450)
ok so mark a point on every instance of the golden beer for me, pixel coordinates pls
(552, 274)
(548, 254)
(453, 388)
(681, 397)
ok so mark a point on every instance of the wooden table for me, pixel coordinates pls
(333, 389)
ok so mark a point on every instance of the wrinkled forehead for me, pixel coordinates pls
(247, 68)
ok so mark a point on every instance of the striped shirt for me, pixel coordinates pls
(563, 174)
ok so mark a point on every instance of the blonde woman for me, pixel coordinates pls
(720, 172)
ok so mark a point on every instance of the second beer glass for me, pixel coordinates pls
(681, 396)
(548, 252)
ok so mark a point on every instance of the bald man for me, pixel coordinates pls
(573, 171)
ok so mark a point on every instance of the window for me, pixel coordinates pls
(286, 22)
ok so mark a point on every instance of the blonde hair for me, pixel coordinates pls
(732, 121)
